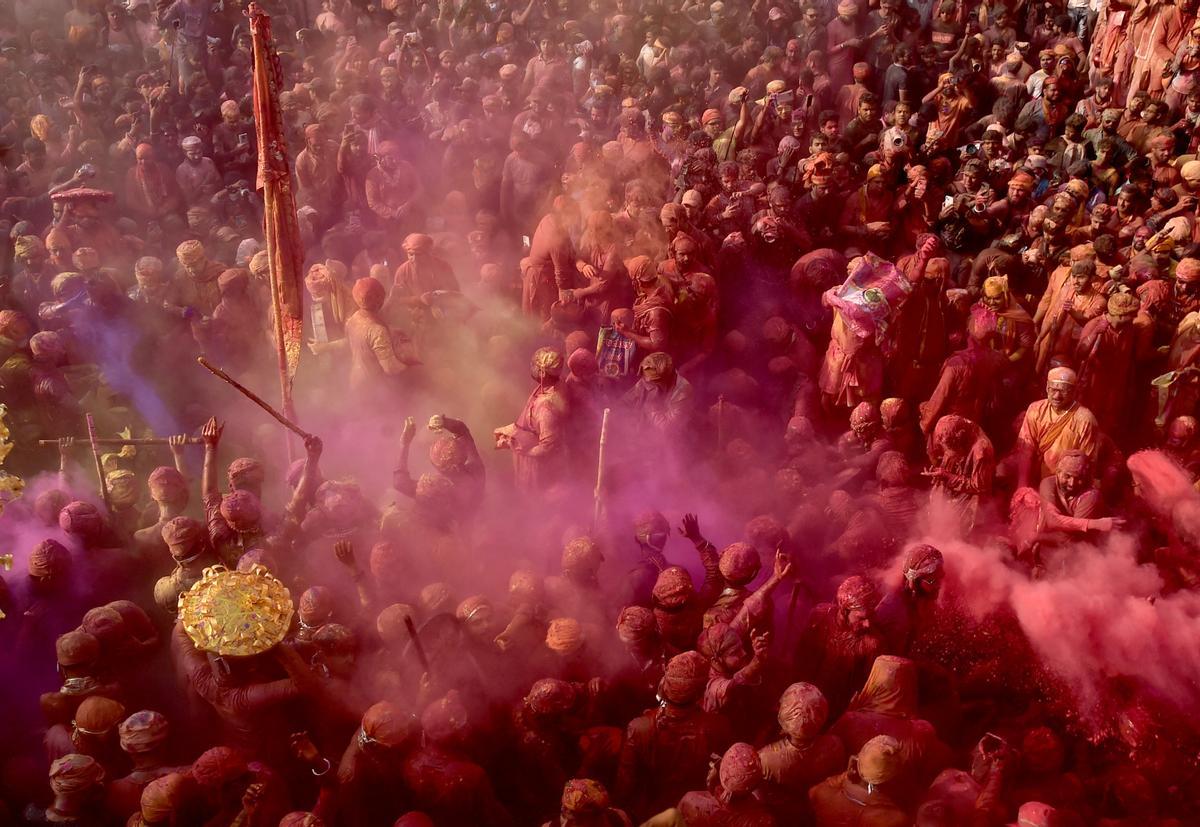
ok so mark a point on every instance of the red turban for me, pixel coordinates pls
(673, 587)
(718, 641)
(739, 563)
(105, 623)
(583, 555)
(48, 559)
(741, 771)
(447, 454)
(97, 715)
(369, 294)
(182, 531)
(163, 797)
(81, 519)
(301, 819)
(245, 471)
(685, 678)
(388, 725)
(550, 696)
(857, 592)
(444, 719)
(76, 648)
(165, 482)
(803, 711)
(636, 623)
(922, 561)
(583, 796)
(218, 766)
(241, 510)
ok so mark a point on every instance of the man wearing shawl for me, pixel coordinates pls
(536, 438)
(1053, 426)
(374, 360)
(422, 274)
(1104, 357)
(962, 466)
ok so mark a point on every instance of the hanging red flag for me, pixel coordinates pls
(283, 246)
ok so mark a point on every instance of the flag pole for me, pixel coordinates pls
(285, 257)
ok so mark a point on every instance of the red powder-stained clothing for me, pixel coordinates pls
(834, 656)
(550, 268)
(541, 428)
(842, 802)
(452, 790)
(666, 755)
(703, 809)
(1047, 435)
(790, 770)
(373, 356)
(852, 371)
(1104, 359)
(964, 387)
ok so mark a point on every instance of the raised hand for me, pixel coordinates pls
(211, 432)
(690, 527)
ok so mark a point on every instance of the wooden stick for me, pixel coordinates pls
(91, 427)
(253, 397)
(598, 493)
(416, 641)
(155, 440)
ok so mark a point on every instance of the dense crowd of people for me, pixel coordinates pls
(840, 360)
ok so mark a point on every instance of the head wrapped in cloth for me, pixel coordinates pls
(436, 597)
(369, 294)
(923, 562)
(657, 367)
(390, 623)
(739, 563)
(98, 715)
(163, 798)
(584, 797)
(106, 624)
(891, 688)
(564, 636)
(241, 510)
(49, 558)
(803, 711)
(547, 362)
(143, 731)
(741, 771)
(122, 487)
(301, 819)
(685, 679)
(550, 696)
(48, 348)
(246, 472)
(582, 556)
(864, 416)
(387, 724)
(447, 454)
(636, 624)
(81, 519)
(191, 254)
(75, 774)
(166, 484)
(652, 529)
(1061, 376)
(673, 588)
(218, 766)
(880, 760)
(1122, 304)
(77, 648)
(857, 593)
(445, 719)
(720, 643)
(29, 247)
(184, 537)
